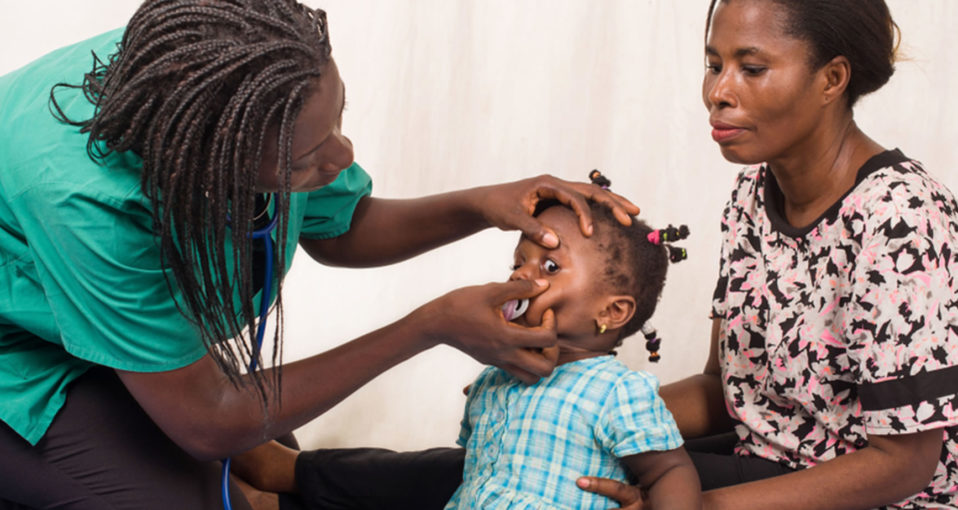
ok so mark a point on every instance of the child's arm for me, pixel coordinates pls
(668, 478)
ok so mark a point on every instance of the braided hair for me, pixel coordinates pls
(636, 263)
(194, 88)
(632, 264)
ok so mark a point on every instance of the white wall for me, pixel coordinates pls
(445, 94)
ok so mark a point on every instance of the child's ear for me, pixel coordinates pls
(617, 312)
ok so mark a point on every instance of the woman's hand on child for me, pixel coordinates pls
(470, 319)
(629, 497)
(510, 206)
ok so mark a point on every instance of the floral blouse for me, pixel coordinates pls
(846, 327)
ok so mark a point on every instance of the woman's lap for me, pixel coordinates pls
(373, 478)
(718, 466)
(103, 452)
(370, 478)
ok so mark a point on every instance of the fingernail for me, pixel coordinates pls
(582, 483)
(550, 239)
(541, 283)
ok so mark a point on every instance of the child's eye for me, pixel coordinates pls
(550, 266)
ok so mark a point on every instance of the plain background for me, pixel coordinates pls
(447, 94)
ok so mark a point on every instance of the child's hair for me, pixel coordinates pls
(633, 264)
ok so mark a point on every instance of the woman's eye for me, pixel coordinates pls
(753, 70)
(515, 267)
(713, 68)
(551, 267)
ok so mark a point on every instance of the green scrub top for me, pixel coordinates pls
(81, 281)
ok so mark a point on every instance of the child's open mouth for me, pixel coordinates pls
(514, 309)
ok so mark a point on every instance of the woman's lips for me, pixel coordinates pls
(724, 132)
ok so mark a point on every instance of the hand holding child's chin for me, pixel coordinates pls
(551, 353)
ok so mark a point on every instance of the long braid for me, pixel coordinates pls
(193, 89)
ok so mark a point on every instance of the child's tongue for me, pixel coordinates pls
(515, 309)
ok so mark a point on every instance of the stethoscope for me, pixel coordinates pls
(264, 234)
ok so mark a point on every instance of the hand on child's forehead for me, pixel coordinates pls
(565, 224)
(563, 221)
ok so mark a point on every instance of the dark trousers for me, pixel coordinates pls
(718, 466)
(103, 452)
(372, 478)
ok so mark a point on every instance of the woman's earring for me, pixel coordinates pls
(599, 328)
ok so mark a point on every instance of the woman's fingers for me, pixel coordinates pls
(534, 362)
(531, 364)
(551, 188)
(621, 207)
(521, 374)
(517, 289)
(535, 230)
(511, 206)
(575, 196)
(628, 496)
(471, 320)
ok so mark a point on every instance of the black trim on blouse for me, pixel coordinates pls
(775, 200)
(912, 390)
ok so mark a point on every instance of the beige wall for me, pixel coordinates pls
(445, 94)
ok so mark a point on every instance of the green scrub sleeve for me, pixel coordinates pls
(99, 266)
(329, 210)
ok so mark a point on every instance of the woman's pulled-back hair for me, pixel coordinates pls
(862, 31)
(193, 89)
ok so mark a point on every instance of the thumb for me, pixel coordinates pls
(625, 494)
(520, 289)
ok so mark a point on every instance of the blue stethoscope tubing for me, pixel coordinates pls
(264, 234)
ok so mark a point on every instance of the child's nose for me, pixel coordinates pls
(523, 272)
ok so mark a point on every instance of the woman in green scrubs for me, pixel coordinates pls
(131, 278)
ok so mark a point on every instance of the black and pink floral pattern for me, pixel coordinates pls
(844, 328)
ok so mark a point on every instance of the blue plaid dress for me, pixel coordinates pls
(527, 445)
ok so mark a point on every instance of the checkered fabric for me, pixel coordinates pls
(526, 445)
